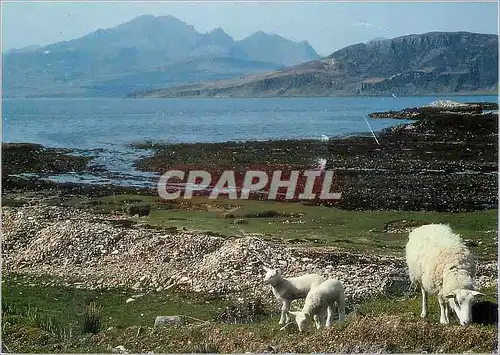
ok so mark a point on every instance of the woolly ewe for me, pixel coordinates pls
(288, 289)
(439, 261)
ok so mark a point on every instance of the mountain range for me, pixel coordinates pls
(424, 64)
(142, 54)
(162, 56)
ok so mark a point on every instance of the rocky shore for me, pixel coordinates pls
(440, 107)
(445, 161)
(26, 158)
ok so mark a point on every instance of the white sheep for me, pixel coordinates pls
(288, 289)
(439, 261)
(321, 301)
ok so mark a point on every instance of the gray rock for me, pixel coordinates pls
(120, 349)
(139, 210)
(162, 321)
(240, 221)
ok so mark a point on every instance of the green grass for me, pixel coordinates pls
(38, 318)
(70, 303)
(41, 318)
(309, 225)
(50, 318)
(411, 306)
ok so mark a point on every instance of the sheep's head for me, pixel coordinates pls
(461, 301)
(301, 319)
(271, 275)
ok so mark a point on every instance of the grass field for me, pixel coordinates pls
(41, 318)
(38, 317)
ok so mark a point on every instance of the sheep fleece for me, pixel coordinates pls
(432, 249)
(323, 296)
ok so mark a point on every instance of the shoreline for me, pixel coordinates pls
(443, 161)
(180, 95)
(461, 94)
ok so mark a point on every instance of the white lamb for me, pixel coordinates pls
(442, 265)
(288, 289)
(320, 302)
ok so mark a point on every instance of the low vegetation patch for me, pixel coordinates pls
(48, 323)
(92, 318)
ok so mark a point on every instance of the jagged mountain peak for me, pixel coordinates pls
(144, 44)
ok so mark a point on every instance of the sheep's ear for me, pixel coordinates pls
(477, 293)
(450, 295)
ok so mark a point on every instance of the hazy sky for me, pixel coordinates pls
(327, 26)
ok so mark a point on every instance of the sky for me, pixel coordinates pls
(326, 25)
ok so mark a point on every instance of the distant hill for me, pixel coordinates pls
(270, 48)
(376, 39)
(430, 63)
(143, 53)
(26, 49)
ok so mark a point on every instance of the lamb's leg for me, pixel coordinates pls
(317, 320)
(287, 315)
(341, 309)
(335, 311)
(424, 303)
(329, 316)
(444, 310)
(285, 308)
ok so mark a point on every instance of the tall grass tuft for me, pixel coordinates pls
(92, 318)
(48, 322)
